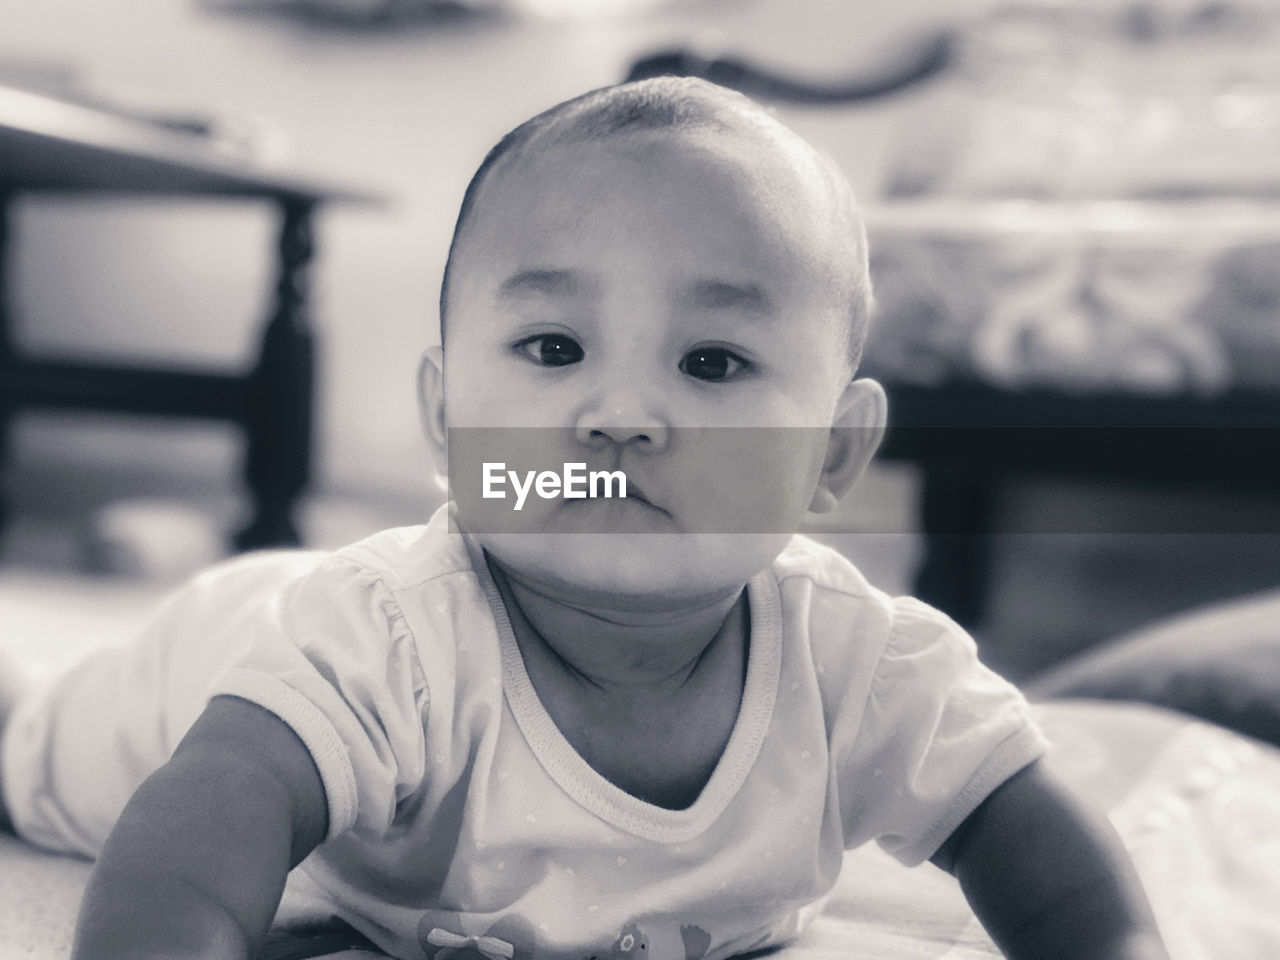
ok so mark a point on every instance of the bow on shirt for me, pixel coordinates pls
(491, 947)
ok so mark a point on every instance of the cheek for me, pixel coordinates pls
(490, 394)
(498, 474)
(470, 380)
(751, 479)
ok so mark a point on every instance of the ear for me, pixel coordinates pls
(856, 431)
(431, 405)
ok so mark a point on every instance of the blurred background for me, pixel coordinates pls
(1074, 208)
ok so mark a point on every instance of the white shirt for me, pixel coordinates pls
(458, 811)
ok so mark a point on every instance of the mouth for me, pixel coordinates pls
(635, 512)
(636, 494)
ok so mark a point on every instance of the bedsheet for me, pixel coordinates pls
(1197, 805)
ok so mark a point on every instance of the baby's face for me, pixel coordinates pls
(660, 306)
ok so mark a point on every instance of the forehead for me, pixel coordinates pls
(702, 199)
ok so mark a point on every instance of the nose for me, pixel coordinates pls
(620, 413)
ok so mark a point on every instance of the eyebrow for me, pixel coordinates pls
(723, 295)
(563, 283)
(703, 294)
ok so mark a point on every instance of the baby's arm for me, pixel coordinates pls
(1048, 879)
(196, 864)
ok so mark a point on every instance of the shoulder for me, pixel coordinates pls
(841, 604)
(858, 636)
(805, 559)
(373, 577)
(355, 596)
(406, 557)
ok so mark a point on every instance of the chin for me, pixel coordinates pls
(636, 570)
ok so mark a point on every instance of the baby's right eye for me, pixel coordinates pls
(551, 349)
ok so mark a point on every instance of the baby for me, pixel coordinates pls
(596, 725)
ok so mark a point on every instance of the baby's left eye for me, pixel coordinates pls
(712, 363)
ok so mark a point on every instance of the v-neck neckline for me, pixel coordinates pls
(573, 774)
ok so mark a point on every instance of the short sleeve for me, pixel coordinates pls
(332, 656)
(939, 732)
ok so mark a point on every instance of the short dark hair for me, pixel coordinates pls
(680, 103)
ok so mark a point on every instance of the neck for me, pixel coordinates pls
(617, 650)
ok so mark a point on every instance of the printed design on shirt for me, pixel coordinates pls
(633, 944)
(696, 942)
(511, 937)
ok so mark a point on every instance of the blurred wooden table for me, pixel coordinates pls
(972, 439)
(53, 146)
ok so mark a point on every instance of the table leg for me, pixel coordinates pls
(278, 414)
(7, 358)
(958, 508)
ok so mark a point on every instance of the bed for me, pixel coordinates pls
(1197, 803)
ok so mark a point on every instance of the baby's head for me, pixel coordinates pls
(657, 278)
(672, 110)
